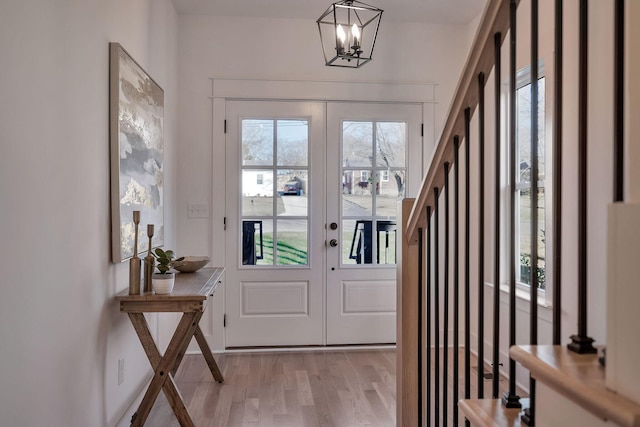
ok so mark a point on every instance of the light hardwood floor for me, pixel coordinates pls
(277, 389)
(324, 388)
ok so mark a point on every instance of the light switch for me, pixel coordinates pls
(198, 210)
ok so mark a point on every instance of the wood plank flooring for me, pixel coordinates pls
(277, 389)
(324, 388)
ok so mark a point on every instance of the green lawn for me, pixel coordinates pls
(291, 249)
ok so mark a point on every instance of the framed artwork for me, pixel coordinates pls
(136, 122)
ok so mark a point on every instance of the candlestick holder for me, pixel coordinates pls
(149, 262)
(134, 262)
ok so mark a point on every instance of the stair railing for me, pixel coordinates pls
(429, 225)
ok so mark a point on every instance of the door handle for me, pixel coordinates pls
(333, 243)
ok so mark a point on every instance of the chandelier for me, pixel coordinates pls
(348, 31)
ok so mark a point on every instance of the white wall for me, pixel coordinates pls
(61, 332)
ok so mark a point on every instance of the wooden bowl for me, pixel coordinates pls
(191, 263)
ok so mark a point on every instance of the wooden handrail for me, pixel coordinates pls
(480, 60)
(579, 378)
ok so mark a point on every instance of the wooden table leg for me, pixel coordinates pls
(206, 352)
(163, 365)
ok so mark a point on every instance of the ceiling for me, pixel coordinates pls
(428, 11)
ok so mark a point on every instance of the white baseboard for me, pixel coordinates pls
(125, 418)
(299, 349)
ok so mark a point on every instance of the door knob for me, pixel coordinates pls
(333, 243)
(333, 226)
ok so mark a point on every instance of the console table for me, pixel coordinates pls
(189, 297)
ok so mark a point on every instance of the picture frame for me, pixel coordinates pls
(136, 134)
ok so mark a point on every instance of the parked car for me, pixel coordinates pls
(292, 188)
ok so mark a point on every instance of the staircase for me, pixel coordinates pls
(534, 288)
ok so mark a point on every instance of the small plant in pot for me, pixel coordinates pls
(164, 280)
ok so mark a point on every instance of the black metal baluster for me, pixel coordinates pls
(467, 250)
(436, 307)
(456, 275)
(481, 197)
(511, 398)
(619, 103)
(529, 413)
(582, 343)
(534, 173)
(557, 178)
(445, 303)
(428, 317)
(496, 222)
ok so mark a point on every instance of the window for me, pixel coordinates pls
(364, 176)
(260, 178)
(522, 186)
(384, 176)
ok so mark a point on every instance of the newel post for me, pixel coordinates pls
(409, 326)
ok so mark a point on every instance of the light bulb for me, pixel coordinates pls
(355, 31)
(342, 37)
(341, 34)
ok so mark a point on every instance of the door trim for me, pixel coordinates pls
(309, 90)
(319, 91)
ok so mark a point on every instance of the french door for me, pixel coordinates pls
(275, 216)
(375, 152)
(312, 190)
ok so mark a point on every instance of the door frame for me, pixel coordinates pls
(223, 89)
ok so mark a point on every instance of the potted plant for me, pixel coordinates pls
(163, 280)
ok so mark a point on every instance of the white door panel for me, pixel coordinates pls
(260, 299)
(375, 152)
(275, 192)
(367, 297)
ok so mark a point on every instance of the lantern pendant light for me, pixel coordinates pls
(348, 31)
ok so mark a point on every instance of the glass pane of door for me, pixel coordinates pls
(370, 193)
(275, 182)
